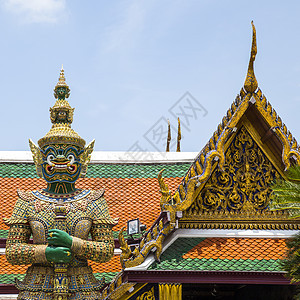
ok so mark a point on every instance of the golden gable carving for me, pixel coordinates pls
(247, 175)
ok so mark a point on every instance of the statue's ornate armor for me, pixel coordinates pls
(34, 214)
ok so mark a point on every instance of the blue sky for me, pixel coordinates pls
(128, 63)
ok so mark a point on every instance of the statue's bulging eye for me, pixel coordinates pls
(49, 158)
(70, 157)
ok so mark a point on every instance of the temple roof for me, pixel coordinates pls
(227, 187)
(131, 191)
(223, 254)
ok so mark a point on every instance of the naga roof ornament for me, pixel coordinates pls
(61, 116)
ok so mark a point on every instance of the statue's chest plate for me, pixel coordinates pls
(67, 214)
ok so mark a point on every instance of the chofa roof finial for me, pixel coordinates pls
(251, 84)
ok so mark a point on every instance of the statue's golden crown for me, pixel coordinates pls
(61, 115)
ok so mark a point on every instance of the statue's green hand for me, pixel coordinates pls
(58, 254)
(60, 238)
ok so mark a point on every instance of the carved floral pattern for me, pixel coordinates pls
(149, 295)
(247, 175)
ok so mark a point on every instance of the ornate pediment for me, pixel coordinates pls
(228, 185)
(245, 180)
(238, 196)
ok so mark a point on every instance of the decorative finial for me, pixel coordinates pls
(61, 90)
(251, 84)
(178, 136)
(168, 137)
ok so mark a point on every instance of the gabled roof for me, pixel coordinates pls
(250, 149)
(227, 187)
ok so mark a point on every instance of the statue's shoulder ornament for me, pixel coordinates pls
(85, 199)
(95, 195)
(19, 215)
(99, 208)
(26, 196)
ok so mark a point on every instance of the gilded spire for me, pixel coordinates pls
(61, 90)
(61, 116)
(178, 136)
(61, 112)
(251, 84)
(168, 137)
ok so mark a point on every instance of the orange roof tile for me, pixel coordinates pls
(238, 248)
(112, 266)
(127, 198)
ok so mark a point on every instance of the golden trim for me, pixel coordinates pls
(128, 295)
(120, 291)
(40, 254)
(289, 143)
(254, 134)
(170, 291)
(77, 245)
(152, 241)
(148, 295)
(221, 224)
(117, 289)
(37, 157)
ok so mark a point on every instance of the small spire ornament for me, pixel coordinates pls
(178, 136)
(61, 90)
(168, 137)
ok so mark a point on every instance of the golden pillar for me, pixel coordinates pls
(170, 291)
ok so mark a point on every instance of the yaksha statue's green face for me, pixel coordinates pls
(62, 92)
(61, 163)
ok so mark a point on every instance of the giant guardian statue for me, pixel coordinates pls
(68, 225)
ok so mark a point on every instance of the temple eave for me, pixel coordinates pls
(218, 277)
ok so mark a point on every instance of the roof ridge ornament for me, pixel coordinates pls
(251, 84)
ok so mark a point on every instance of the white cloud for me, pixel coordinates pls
(36, 11)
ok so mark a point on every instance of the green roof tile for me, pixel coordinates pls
(108, 276)
(22, 170)
(10, 278)
(3, 234)
(183, 245)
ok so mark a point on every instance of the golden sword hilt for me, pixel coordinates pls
(61, 281)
